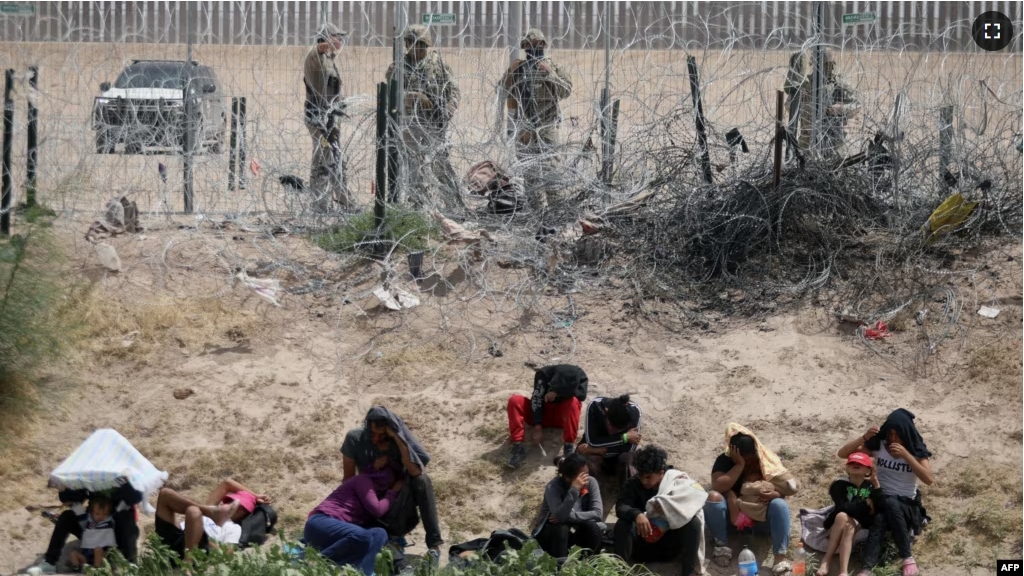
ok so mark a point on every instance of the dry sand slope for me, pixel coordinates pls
(276, 388)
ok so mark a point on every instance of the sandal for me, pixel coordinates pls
(782, 568)
(910, 567)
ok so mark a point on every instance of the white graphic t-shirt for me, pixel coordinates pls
(894, 474)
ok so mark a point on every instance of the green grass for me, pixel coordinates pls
(407, 229)
(155, 559)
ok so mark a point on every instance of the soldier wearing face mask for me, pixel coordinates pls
(431, 99)
(534, 87)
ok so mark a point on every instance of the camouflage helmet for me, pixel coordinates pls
(327, 31)
(417, 33)
(532, 35)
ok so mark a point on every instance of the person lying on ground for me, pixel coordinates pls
(123, 500)
(658, 514)
(385, 434)
(901, 460)
(572, 510)
(747, 460)
(611, 434)
(854, 501)
(217, 520)
(344, 526)
(97, 533)
(558, 395)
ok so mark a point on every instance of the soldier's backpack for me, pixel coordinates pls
(257, 525)
(504, 194)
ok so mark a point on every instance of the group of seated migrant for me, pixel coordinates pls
(661, 512)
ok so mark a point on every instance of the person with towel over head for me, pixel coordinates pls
(901, 460)
(746, 460)
(385, 434)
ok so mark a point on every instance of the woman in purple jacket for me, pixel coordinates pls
(338, 527)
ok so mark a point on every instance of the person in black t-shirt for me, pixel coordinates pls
(855, 506)
(747, 460)
(611, 434)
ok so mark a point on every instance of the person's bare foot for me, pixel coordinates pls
(823, 570)
(224, 513)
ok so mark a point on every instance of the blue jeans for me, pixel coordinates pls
(716, 515)
(344, 543)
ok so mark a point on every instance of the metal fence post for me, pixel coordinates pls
(190, 113)
(32, 138)
(5, 170)
(381, 174)
(698, 108)
(818, 76)
(242, 178)
(233, 152)
(945, 141)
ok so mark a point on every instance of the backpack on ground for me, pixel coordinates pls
(257, 525)
(504, 195)
(491, 548)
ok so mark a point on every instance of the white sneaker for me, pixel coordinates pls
(43, 567)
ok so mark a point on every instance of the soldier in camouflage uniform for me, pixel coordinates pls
(839, 105)
(431, 98)
(322, 115)
(534, 87)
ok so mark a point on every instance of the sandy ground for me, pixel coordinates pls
(277, 388)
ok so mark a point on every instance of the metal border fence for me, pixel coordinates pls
(916, 25)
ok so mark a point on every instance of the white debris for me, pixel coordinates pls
(266, 288)
(108, 257)
(988, 312)
(396, 298)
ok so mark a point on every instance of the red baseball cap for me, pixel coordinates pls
(860, 458)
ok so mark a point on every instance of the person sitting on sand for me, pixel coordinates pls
(572, 510)
(854, 500)
(644, 531)
(344, 526)
(218, 519)
(747, 460)
(611, 434)
(557, 400)
(126, 530)
(385, 434)
(901, 460)
(97, 533)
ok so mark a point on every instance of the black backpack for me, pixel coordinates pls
(257, 525)
(491, 548)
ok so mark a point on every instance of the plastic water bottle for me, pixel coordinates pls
(748, 562)
(799, 560)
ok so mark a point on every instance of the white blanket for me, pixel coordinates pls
(680, 500)
(101, 460)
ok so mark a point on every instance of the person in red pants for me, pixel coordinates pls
(557, 400)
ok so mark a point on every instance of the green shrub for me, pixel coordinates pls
(408, 229)
(156, 560)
